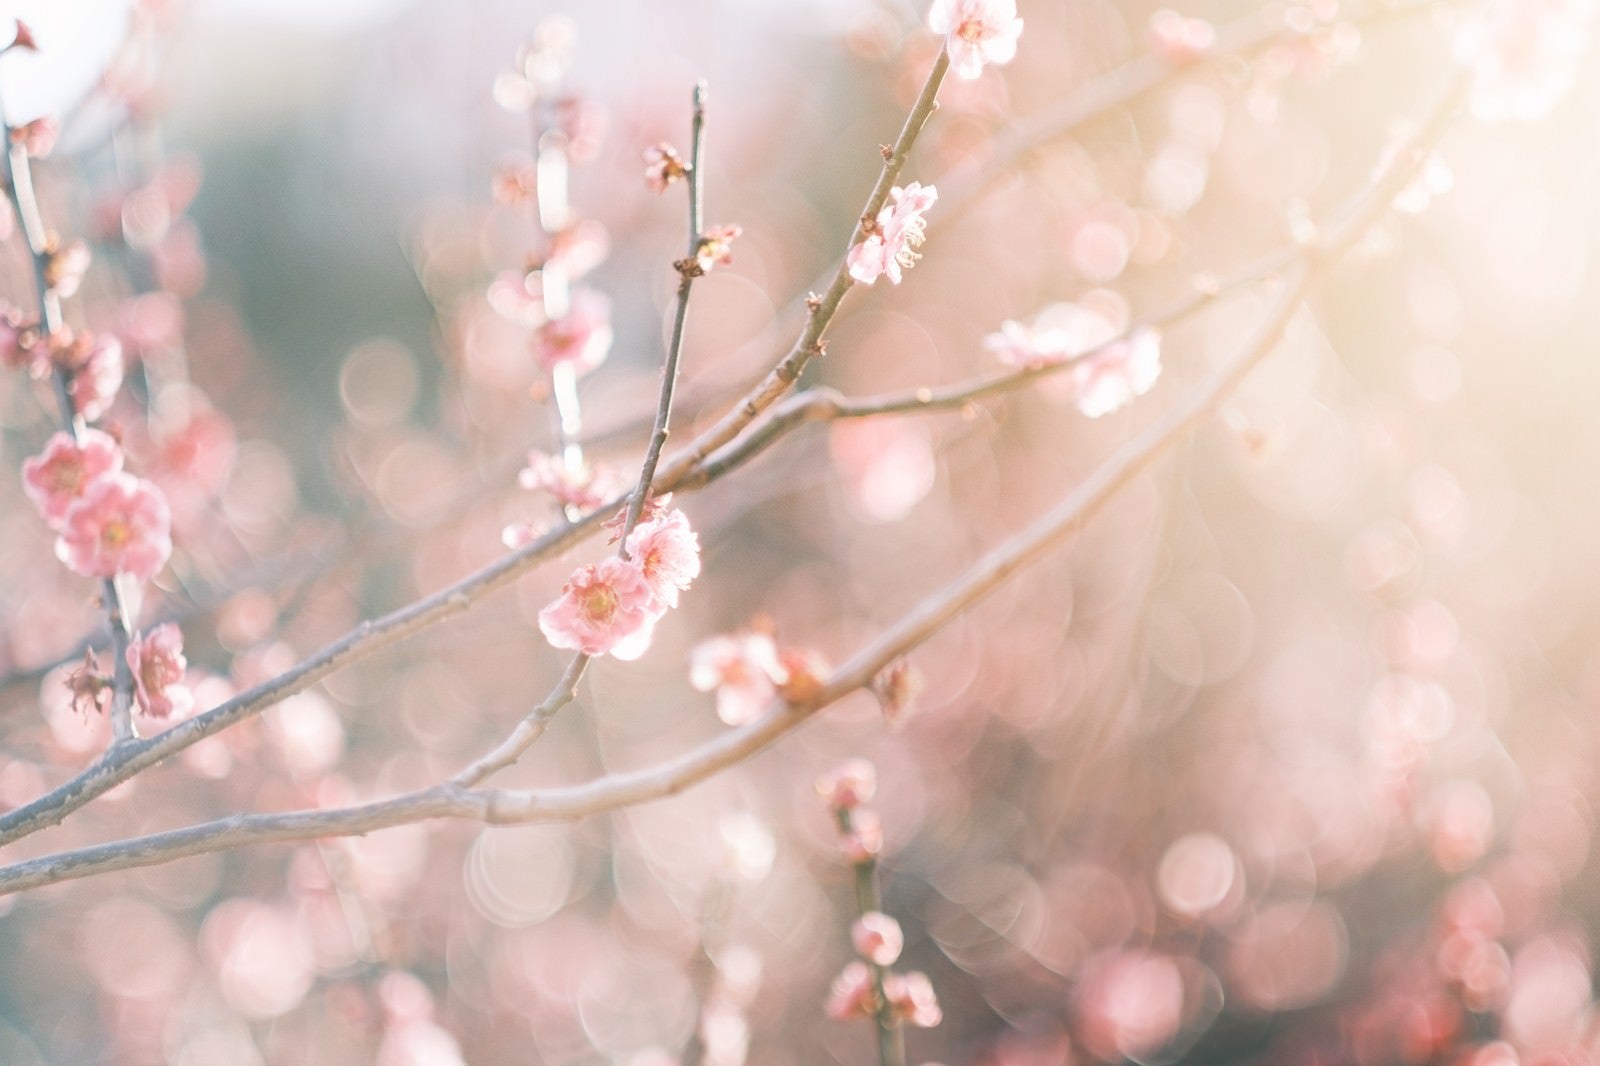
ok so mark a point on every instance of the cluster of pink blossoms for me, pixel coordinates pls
(978, 32)
(107, 522)
(747, 670)
(612, 607)
(1107, 374)
(896, 234)
(907, 998)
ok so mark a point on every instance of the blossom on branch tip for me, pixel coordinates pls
(156, 659)
(606, 607)
(977, 32)
(120, 525)
(742, 669)
(667, 552)
(663, 166)
(891, 244)
(57, 477)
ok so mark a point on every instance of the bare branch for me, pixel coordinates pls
(624, 789)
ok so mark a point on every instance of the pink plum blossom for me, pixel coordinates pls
(1110, 378)
(94, 361)
(716, 247)
(978, 32)
(742, 669)
(583, 486)
(662, 167)
(58, 476)
(848, 785)
(852, 994)
(667, 552)
(877, 938)
(156, 659)
(912, 1000)
(896, 235)
(1058, 333)
(581, 337)
(64, 264)
(604, 607)
(120, 525)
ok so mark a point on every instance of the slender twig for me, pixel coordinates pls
(822, 404)
(624, 789)
(822, 308)
(528, 730)
(19, 188)
(688, 270)
(869, 899)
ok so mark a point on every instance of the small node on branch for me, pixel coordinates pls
(688, 267)
(813, 302)
(887, 151)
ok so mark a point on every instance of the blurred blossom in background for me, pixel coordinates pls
(1289, 758)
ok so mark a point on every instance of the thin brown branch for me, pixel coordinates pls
(822, 308)
(688, 270)
(19, 188)
(629, 788)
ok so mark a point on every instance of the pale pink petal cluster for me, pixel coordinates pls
(977, 32)
(580, 338)
(877, 938)
(95, 363)
(120, 525)
(1524, 55)
(65, 264)
(1110, 378)
(667, 552)
(897, 233)
(612, 607)
(848, 785)
(716, 247)
(1058, 333)
(156, 659)
(742, 669)
(581, 486)
(912, 999)
(852, 994)
(662, 167)
(38, 138)
(58, 476)
(604, 608)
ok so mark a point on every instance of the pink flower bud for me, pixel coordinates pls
(848, 785)
(912, 1000)
(877, 937)
(852, 995)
